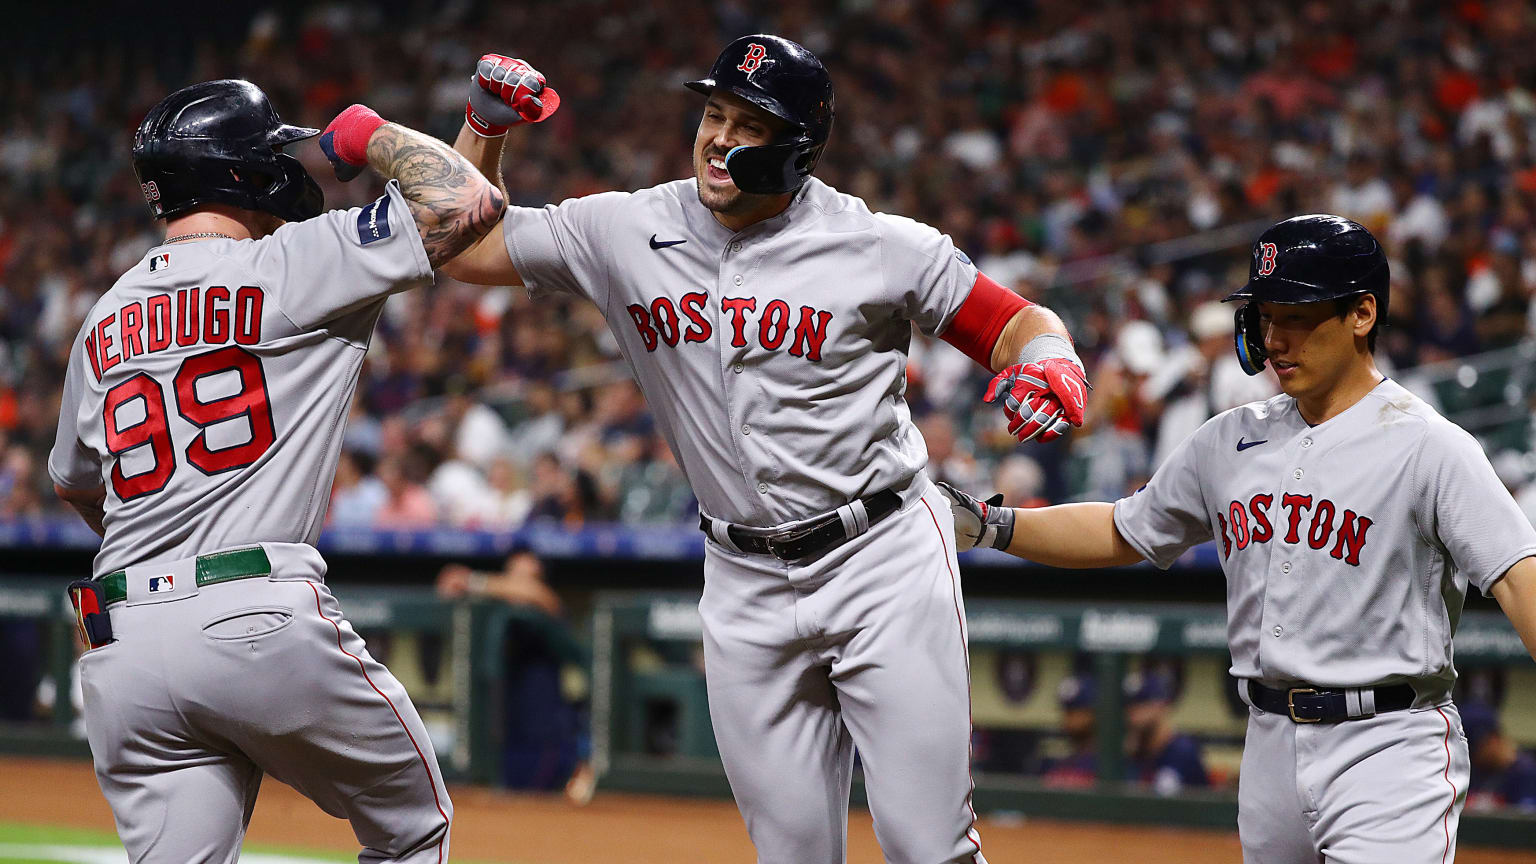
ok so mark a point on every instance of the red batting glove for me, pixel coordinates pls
(1041, 400)
(345, 140)
(504, 92)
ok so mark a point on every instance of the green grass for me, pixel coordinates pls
(27, 834)
(17, 832)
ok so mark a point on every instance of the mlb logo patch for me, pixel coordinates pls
(160, 262)
(373, 222)
(158, 584)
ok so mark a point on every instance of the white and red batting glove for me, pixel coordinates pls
(505, 91)
(987, 524)
(1042, 399)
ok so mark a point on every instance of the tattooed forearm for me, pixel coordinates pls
(453, 205)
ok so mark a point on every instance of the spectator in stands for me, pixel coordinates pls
(546, 743)
(1084, 151)
(1214, 380)
(407, 503)
(1160, 756)
(357, 495)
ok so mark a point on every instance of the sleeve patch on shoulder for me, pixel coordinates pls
(373, 221)
(963, 257)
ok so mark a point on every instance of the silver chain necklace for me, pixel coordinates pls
(197, 235)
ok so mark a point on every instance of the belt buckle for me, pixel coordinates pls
(778, 550)
(785, 545)
(1290, 704)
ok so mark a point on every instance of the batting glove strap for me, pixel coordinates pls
(979, 523)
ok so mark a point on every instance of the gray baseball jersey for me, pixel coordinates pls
(1348, 546)
(208, 388)
(208, 391)
(774, 359)
(1348, 549)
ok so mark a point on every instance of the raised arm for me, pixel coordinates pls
(486, 261)
(1067, 535)
(452, 203)
(1516, 593)
(503, 93)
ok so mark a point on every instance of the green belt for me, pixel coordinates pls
(211, 569)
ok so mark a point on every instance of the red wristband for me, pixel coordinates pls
(981, 319)
(351, 130)
(481, 126)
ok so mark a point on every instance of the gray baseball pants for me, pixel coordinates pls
(206, 690)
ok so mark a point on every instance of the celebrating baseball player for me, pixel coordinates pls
(1349, 518)
(767, 318)
(200, 426)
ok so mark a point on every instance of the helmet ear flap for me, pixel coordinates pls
(1249, 339)
(772, 169)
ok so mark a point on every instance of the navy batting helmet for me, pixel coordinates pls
(220, 142)
(1303, 260)
(784, 79)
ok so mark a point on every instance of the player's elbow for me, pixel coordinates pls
(460, 223)
(483, 262)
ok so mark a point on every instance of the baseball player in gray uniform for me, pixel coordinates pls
(1350, 519)
(199, 430)
(767, 318)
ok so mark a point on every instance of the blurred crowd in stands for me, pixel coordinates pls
(1114, 160)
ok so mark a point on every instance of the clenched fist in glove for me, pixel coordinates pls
(1041, 399)
(504, 92)
(979, 523)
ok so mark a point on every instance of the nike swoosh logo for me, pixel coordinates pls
(662, 244)
(1241, 446)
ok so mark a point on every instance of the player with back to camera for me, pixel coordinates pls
(767, 318)
(1349, 518)
(199, 431)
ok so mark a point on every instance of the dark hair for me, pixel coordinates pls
(1342, 306)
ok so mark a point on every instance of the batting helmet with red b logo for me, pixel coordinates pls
(1303, 260)
(786, 80)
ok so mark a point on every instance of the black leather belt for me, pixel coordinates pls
(812, 539)
(1314, 705)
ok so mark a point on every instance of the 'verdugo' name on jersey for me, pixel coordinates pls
(215, 315)
(1236, 530)
(660, 322)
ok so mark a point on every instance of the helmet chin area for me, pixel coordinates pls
(770, 169)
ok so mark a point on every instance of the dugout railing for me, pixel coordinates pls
(626, 625)
(650, 723)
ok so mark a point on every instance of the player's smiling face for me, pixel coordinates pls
(1311, 347)
(729, 121)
